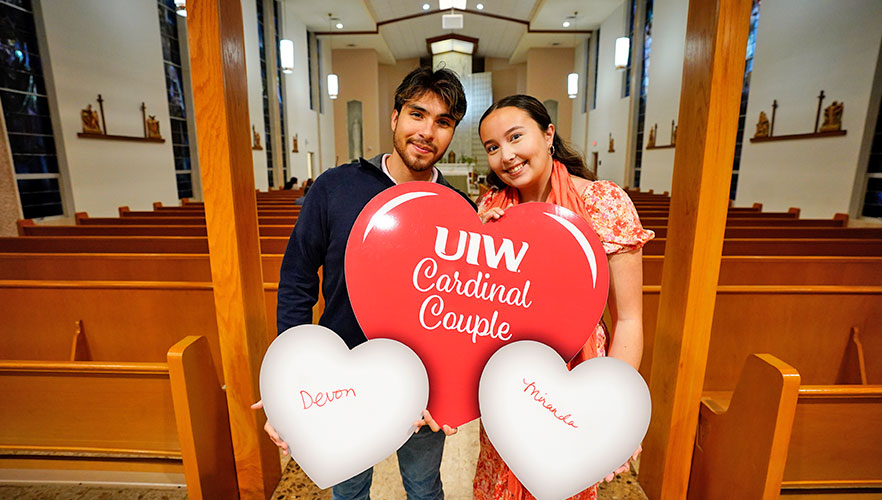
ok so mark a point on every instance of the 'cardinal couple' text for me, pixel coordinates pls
(480, 287)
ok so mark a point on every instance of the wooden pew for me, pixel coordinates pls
(663, 221)
(780, 246)
(808, 327)
(783, 270)
(25, 229)
(119, 267)
(734, 270)
(120, 314)
(774, 436)
(186, 212)
(790, 232)
(197, 220)
(737, 214)
(277, 245)
(166, 418)
(125, 244)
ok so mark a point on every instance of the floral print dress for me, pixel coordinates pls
(615, 220)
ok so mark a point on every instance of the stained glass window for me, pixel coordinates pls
(280, 95)
(267, 122)
(644, 85)
(26, 110)
(745, 91)
(873, 197)
(174, 84)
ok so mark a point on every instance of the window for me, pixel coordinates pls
(26, 109)
(314, 62)
(745, 91)
(280, 93)
(596, 68)
(267, 122)
(626, 78)
(174, 84)
(310, 41)
(873, 198)
(644, 85)
(585, 86)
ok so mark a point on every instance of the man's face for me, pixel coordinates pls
(422, 131)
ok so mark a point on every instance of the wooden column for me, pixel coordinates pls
(220, 94)
(713, 69)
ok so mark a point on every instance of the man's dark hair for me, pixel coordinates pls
(442, 82)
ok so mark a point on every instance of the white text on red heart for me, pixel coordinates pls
(491, 254)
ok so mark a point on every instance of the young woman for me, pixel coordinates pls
(529, 162)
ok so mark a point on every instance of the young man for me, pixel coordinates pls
(428, 106)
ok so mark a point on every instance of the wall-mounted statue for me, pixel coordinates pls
(451, 157)
(673, 133)
(91, 123)
(255, 139)
(153, 127)
(612, 144)
(296, 148)
(652, 131)
(762, 126)
(833, 117)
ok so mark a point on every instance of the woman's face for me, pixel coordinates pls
(517, 149)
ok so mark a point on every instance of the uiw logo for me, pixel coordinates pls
(470, 245)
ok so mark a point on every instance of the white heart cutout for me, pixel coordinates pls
(341, 411)
(561, 431)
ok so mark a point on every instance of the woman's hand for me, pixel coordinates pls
(273, 435)
(491, 214)
(623, 468)
(428, 420)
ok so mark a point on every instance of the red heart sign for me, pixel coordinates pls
(423, 270)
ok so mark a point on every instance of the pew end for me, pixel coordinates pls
(756, 423)
(119, 422)
(202, 419)
(157, 204)
(20, 224)
(123, 210)
(795, 211)
(79, 216)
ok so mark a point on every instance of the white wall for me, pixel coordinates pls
(802, 47)
(663, 94)
(301, 120)
(580, 119)
(611, 113)
(255, 91)
(113, 49)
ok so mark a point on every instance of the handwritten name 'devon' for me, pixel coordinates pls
(426, 279)
(534, 393)
(322, 398)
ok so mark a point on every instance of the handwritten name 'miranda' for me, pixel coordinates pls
(534, 393)
(322, 398)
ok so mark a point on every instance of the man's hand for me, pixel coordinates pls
(271, 431)
(428, 420)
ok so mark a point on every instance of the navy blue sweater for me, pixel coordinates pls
(319, 240)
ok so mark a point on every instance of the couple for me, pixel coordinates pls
(529, 163)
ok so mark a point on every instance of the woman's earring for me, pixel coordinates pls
(551, 150)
